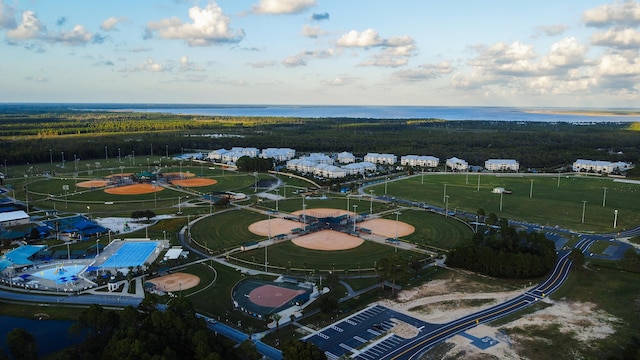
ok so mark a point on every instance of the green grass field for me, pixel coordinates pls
(549, 204)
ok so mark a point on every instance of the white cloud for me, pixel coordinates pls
(550, 30)
(262, 64)
(275, 7)
(148, 65)
(312, 31)
(29, 28)
(424, 72)
(339, 81)
(365, 39)
(565, 53)
(186, 65)
(37, 78)
(626, 13)
(209, 26)
(77, 36)
(617, 38)
(7, 21)
(303, 57)
(110, 23)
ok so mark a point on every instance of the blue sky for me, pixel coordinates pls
(355, 52)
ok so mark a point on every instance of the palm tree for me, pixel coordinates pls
(276, 317)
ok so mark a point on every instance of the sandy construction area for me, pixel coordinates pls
(194, 182)
(92, 184)
(278, 226)
(328, 240)
(175, 282)
(387, 228)
(134, 189)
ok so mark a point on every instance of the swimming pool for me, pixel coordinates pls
(60, 274)
(130, 254)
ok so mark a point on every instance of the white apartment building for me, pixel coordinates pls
(279, 154)
(600, 166)
(376, 158)
(359, 168)
(457, 164)
(418, 160)
(501, 165)
(346, 158)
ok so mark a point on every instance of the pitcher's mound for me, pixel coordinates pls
(328, 240)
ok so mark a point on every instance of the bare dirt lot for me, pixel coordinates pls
(92, 184)
(387, 228)
(274, 226)
(441, 301)
(175, 282)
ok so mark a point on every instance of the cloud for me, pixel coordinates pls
(312, 31)
(148, 65)
(7, 20)
(424, 72)
(276, 7)
(550, 30)
(626, 14)
(29, 28)
(104, 63)
(77, 36)
(209, 26)
(303, 57)
(186, 65)
(320, 17)
(394, 53)
(110, 23)
(40, 79)
(61, 21)
(340, 81)
(617, 38)
(262, 64)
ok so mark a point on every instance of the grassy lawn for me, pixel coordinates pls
(434, 230)
(226, 230)
(549, 205)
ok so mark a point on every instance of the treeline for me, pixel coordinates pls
(540, 146)
(505, 253)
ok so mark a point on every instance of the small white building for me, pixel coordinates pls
(418, 160)
(359, 168)
(346, 158)
(376, 158)
(595, 166)
(456, 164)
(13, 218)
(501, 165)
(329, 171)
(216, 155)
(319, 158)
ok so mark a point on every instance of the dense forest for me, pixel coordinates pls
(505, 253)
(27, 137)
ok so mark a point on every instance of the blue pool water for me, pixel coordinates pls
(60, 274)
(130, 254)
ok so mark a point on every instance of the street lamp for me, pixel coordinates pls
(386, 180)
(119, 156)
(98, 247)
(61, 152)
(615, 218)
(531, 190)
(501, 193)
(304, 216)
(444, 194)
(277, 197)
(584, 204)
(604, 197)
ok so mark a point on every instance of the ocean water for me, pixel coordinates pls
(381, 112)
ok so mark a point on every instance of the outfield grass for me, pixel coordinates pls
(286, 254)
(549, 205)
(226, 230)
(434, 230)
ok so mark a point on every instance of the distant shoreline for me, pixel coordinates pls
(620, 113)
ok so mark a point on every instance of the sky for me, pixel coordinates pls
(546, 53)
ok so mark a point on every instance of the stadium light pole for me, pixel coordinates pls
(371, 202)
(355, 216)
(97, 248)
(446, 206)
(277, 197)
(615, 218)
(386, 180)
(347, 202)
(106, 153)
(51, 156)
(444, 195)
(26, 190)
(604, 197)
(397, 221)
(478, 189)
(266, 263)
(501, 193)
(422, 177)
(531, 190)
(304, 216)
(584, 204)
(119, 156)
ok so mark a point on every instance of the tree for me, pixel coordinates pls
(22, 345)
(276, 317)
(577, 257)
(394, 269)
(301, 350)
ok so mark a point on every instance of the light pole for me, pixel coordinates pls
(604, 197)
(266, 262)
(26, 190)
(584, 204)
(501, 193)
(62, 153)
(397, 222)
(106, 153)
(347, 202)
(422, 177)
(558, 178)
(478, 189)
(179, 210)
(166, 149)
(444, 195)
(386, 180)
(50, 156)
(304, 216)
(446, 206)
(277, 197)
(355, 216)
(615, 218)
(531, 190)
(371, 202)
(97, 247)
